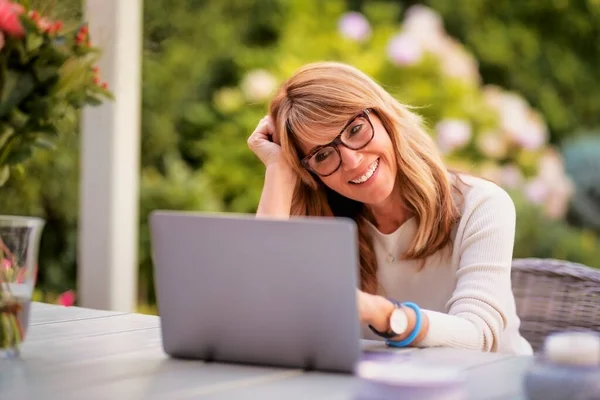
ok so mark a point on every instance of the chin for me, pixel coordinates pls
(376, 198)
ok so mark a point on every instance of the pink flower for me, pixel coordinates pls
(511, 176)
(404, 50)
(6, 264)
(45, 24)
(354, 25)
(536, 191)
(453, 134)
(519, 122)
(423, 19)
(425, 26)
(457, 62)
(22, 275)
(67, 298)
(9, 18)
(560, 186)
(17, 8)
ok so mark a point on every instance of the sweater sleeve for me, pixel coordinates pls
(478, 308)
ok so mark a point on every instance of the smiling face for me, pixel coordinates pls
(310, 109)
(367, 173)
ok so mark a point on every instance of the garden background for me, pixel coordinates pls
(510, 90)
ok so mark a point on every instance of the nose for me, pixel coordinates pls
(351, 159)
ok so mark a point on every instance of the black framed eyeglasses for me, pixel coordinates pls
(356, 134)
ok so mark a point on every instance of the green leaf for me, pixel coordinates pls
(4, 174)
(17, 86)
(75, 75)
(44, 143)
(23, 55)
(33, 42)
(49, 129)
(45, 72)
(40, 107)
(6, 131)
(93, 100)
(18, 171)
(28, 24)
(18, 119)
(56, 55)
(19, 155)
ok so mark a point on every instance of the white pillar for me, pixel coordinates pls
(110, 146)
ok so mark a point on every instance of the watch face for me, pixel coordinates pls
(398, 321)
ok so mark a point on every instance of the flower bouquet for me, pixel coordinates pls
(47, 75)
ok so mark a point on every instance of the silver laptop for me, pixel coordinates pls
(233, 288)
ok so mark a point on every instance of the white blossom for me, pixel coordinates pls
(453, 134)
(258, 85)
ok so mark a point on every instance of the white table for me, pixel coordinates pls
(78, 353)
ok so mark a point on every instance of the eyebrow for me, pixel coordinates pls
(319, 146)
(348, 123)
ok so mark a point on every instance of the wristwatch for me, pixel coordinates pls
(398, 323)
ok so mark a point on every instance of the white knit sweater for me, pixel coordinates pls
(466, 292)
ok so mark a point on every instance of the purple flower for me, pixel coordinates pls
(404, 50)
(354, 25)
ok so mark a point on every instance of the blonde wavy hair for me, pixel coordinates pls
(323, 96)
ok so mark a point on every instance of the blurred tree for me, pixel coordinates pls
(190, 52)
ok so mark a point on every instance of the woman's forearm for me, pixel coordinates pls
(278, 189)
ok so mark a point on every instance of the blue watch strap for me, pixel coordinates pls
(415, 332)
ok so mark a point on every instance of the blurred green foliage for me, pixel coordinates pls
(546, 50)
(199, 105)
(539, 236)
(582, 161)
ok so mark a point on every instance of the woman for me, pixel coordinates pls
(435, 248)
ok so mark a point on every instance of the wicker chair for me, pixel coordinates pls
(554, 295)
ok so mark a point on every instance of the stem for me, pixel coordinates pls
(6, 334)
(11, 330)
(3, 278)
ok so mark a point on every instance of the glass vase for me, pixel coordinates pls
(19, 248)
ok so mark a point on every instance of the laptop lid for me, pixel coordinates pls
(233, 288)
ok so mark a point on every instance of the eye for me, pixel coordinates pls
(322, 155)
(355, 129)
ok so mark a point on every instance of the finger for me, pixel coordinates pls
(273, 131)
(263, 124)
(261, 130)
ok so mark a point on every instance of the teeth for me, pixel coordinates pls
(367, 174)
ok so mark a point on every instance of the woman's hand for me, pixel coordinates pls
(280, 178)
(374, 310)
(265, 144)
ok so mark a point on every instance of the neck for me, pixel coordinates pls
(390, 214)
